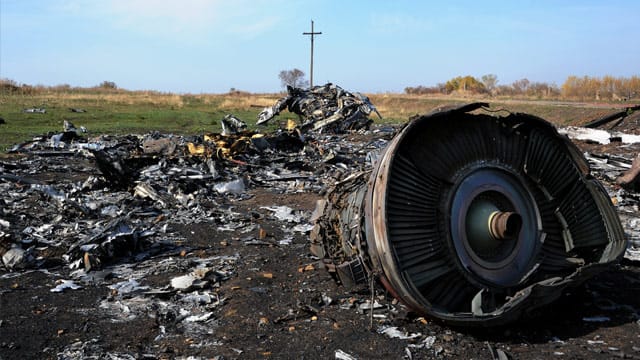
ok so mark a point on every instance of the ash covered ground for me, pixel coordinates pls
(166, 247)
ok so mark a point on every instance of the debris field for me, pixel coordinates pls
(161, 246)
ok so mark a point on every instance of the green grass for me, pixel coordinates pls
(109, 116)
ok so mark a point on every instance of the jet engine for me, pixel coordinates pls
(471, 218)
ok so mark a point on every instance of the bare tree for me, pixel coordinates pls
(521, 86)
(293, 78)
(490, 81)
(108, 85)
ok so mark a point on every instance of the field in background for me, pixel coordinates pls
(122, 113)
(140, 112)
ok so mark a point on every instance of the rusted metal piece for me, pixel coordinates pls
(471, 219)
(631, 177)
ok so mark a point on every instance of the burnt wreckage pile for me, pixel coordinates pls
(116, 195)
(327, 106)
(466, 217)
(114, 211)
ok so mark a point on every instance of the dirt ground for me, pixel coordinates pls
(279, 303)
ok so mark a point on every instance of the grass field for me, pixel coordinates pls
(125, 112)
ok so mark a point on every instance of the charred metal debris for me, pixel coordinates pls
(117, 194)
(464, 216)
(114, 211)
(327, 108)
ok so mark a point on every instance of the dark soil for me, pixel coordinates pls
(271, 284)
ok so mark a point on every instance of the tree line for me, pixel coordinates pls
(577, 88)
(574, 88)
(11, 87)
(604, 88)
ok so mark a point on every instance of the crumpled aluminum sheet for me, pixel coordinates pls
(327, 107)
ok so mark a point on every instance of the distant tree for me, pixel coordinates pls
(542, 90)
(634, 87)
(9, 82)
(570, 86)
(608, 87)
(421, 90)
(629, 87)
(61, 87)
(8, 86)
(293, 78)
(583, 88)
(520, 86)
(465, 84)
(490, 81)
(108, 85)
(505, 90)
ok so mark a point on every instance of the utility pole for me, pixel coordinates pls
(312, 33)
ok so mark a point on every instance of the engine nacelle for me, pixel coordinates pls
(471, 218)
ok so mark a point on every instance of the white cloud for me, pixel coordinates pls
(255, 27)
(181, 19)
(181, 16)
(398, 22)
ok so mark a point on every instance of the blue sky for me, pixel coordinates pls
(210, 46)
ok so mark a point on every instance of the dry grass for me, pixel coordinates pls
(120, 98)
(400, 107)
(246, 101)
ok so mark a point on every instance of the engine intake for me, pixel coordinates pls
(471, 218)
